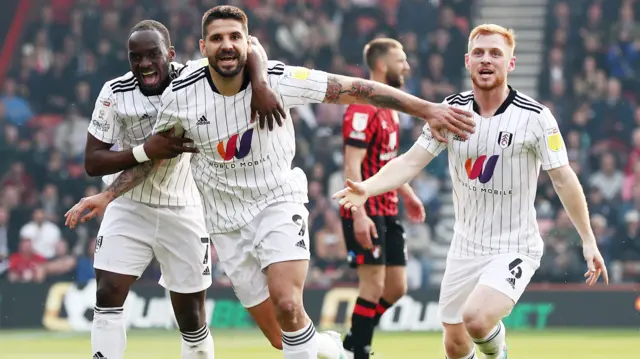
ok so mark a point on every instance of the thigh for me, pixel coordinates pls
(357, 255)
(509, 274)
(237, 256)
(395, 246)
(282, 234)
(183, 250)
(460, 278)
(124, 244)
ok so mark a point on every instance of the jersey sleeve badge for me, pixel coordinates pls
(554, 139)
(300, 73)
(359, 121)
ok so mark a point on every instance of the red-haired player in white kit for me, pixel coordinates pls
(496, 247)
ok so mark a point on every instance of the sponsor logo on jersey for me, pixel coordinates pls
(478, 170)
(234, 148)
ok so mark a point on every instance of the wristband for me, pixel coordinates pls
(139, 154)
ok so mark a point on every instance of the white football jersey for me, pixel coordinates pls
(123, 115)
(495, 175)
(240, 169)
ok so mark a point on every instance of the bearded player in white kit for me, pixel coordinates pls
(253, 200)
(496, 246)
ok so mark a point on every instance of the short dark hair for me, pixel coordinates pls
(153, 25)
(224, 12)
(377, 48)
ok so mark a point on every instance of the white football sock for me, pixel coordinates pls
(492, 345)
(300, 344)
(471, 355)
(108, 333)
(198, 344)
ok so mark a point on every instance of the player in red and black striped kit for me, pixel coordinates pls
(373, 234)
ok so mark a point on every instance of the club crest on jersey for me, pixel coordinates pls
(234, 148)
(505, 139)
(359, 122)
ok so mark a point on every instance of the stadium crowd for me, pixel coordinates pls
(70, 48)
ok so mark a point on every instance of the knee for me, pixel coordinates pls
(111, 292)
(288, 308)
(371, 288)
(395, 291)
(477, 324)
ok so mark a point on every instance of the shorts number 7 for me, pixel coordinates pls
(205, 241)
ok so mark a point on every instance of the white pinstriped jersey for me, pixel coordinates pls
(124, 116)
(495, 175)
(240, 169)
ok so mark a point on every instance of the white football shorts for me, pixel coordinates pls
(132, 233)
(279, 233)
(507, 273)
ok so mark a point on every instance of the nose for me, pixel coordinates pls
(226, 44)
(145, 62)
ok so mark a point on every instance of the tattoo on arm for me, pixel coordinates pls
(130, 178)
(362, 90)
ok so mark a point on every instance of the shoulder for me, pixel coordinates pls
(275, 67)
(527, 103)
(187, 79)
(461, 98)
(124, 83)
(178, 69)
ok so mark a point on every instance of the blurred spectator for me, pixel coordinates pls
(61, 266)
(4, 241)
(627, 249)
(330, 252)
(42, 234)
(26, 265)
(609, 178)
(71, 135)
(17, 110)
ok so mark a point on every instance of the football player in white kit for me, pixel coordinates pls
(253, 200)
(161, 217)
(496, 246)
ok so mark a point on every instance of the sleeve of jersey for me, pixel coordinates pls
(549, 145)
(358, 126)
(429, 143)
(300, 86)
(167, 115)
(104, 123)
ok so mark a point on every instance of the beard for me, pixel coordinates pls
(228, 73)
(394, 80)
(487, 86)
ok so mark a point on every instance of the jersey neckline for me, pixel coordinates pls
(502, 108)
(245, 83)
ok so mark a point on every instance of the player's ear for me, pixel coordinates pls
(512, 64)
(466, 61)
(203, 49)
(172, 53)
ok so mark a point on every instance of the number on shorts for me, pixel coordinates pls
(206, 251)
(515, 269)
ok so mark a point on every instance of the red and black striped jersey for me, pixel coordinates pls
(377, 130)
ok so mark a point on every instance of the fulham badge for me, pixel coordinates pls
(505, 139)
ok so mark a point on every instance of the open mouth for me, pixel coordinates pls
(150, 77)
(227, 61)
(485, 73)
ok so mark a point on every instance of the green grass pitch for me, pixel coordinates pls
(153, 344)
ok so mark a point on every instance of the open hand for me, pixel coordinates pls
(595, 264)
(364, 229)
(352, 197)
(445, 117)
(165, 145)
(415, 209)
(95, 204)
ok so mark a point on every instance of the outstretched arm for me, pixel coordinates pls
(350, 90)
(398, 171)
